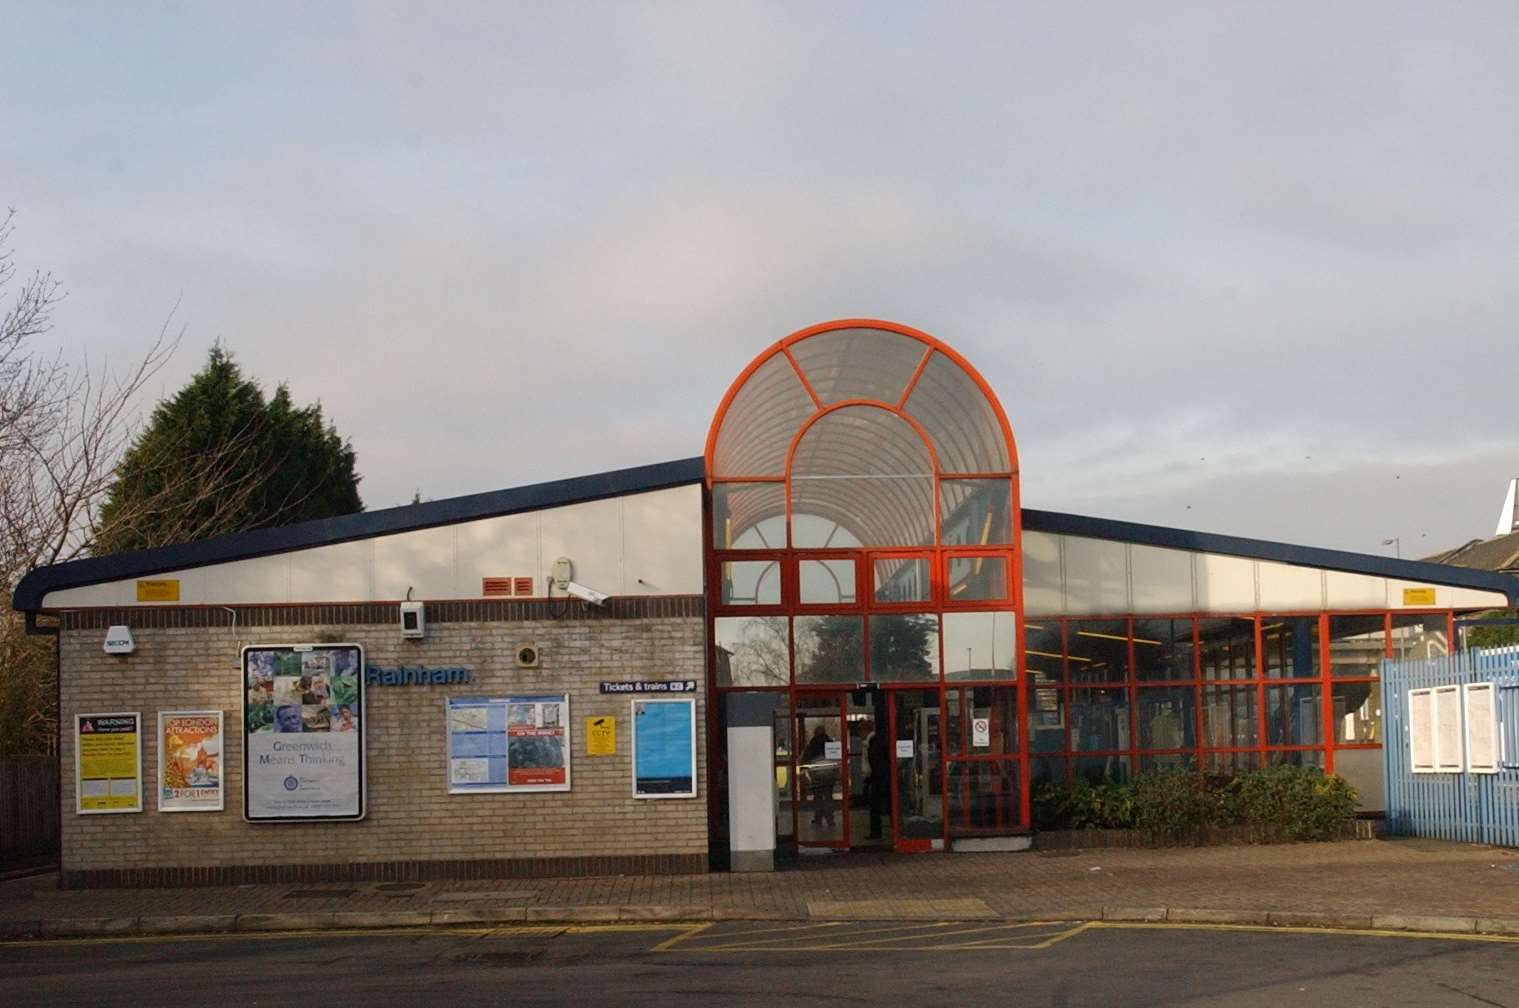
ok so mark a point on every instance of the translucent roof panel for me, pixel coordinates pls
(761, 420)
(954, 410)
(858, 363)
(864, 469)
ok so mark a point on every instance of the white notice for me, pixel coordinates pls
(1450, 749)
(981, 731)
(904, 748)
(833, 750)
(1481, 729)
(1421, 737)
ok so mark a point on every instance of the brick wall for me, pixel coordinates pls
(414, 828)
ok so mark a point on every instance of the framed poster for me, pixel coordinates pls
(1450, 745)
(664, 748)
(190, 761)
(1421, 738)
(107, 763)
(508, 744)
(1480, 710)
(303, 732)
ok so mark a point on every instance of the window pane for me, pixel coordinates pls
(1362, 770)
(1302, 758)
(1230, 764)
(827, 582)
(984, 796)
(975, 512)
(1420, 636)
(861, 476)
(1165, 717)
(1290, 647)
(830, 649)
(994, 706)
(1041, 653)
(902, 579)
(1099, 719)
(1167, 761)
(752, 651)
(1099, 651)
(1097, 769)
(904, 647)
(749, 516)
(1228, 648)
(1357, 712)
(1355, 645)
(1046, 713)
(977, 579)
(980, 645)
(1163, 649)
(1046, 770)
(919, 776)
(1293, 715)
(1229, 719)
(751, 582)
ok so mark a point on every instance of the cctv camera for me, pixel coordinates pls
(585, 594)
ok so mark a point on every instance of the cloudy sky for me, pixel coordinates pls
(1247, 269)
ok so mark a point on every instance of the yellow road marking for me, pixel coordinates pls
(441, 929)
(1054, 938)
(1271, 929)
(919, 926)
(1004, 926)
(691, 931)
(810, 926)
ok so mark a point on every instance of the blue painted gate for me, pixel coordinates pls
(1471, 807)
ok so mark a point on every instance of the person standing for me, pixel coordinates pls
(878, 783)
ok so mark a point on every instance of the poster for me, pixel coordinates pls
(664, 748)
(600, 736)
(1481, 728)
(107, 763)
(303, 732)
(508, 744)
(190, 761)
(1421, 739)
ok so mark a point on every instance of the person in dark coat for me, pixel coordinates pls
(878, 783)
(820, 778)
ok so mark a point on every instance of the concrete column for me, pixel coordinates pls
(751, 780)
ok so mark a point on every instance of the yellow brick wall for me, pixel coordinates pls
(411, 815)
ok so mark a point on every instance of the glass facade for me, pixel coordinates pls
(1225, 694)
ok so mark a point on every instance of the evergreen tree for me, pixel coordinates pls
(218, 457)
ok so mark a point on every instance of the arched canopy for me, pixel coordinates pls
(854, 431)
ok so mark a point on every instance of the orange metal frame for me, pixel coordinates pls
(939, 556)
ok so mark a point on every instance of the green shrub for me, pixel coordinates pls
(1280, 802)
(1173, 803)
(1289, 803)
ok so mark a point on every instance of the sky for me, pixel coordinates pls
(1237, 268)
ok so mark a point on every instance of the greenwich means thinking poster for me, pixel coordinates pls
(303, 732)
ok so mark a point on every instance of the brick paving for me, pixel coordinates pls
(1408, 877)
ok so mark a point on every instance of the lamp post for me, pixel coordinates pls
(1397, 546)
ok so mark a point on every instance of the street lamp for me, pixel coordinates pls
(1397, 545)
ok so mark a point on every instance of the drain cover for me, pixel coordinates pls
(320, 893)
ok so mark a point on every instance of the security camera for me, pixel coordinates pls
(585, 594)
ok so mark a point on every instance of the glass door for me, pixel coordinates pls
(917, 786)
(821, 777)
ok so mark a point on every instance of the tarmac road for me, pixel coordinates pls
(895, 964)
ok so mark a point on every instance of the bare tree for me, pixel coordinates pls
(63, 427)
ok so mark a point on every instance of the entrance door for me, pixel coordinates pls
(917, 793)
(820, 788)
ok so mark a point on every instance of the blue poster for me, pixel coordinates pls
(664, 749)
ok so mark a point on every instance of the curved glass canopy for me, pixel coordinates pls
(847, 435)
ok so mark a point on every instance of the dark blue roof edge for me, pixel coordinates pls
(641, 479)
(1260, 549)
(363, 525)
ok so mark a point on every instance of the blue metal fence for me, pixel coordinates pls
(1472, 807)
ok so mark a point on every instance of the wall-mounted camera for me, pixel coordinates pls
(585, 594)
(413, 621)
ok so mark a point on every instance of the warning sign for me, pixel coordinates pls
(108, 763)
(600, 736)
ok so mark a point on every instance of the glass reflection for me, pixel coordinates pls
(752, 651)
(904, 647)
(830, 649)
(980, 645)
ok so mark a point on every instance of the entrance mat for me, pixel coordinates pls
(889, 909)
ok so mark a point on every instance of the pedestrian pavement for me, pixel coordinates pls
(1396, 884)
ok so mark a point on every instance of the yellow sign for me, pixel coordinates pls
(109, 754)
(162, 590)
(600, 736)
(1418, 596)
